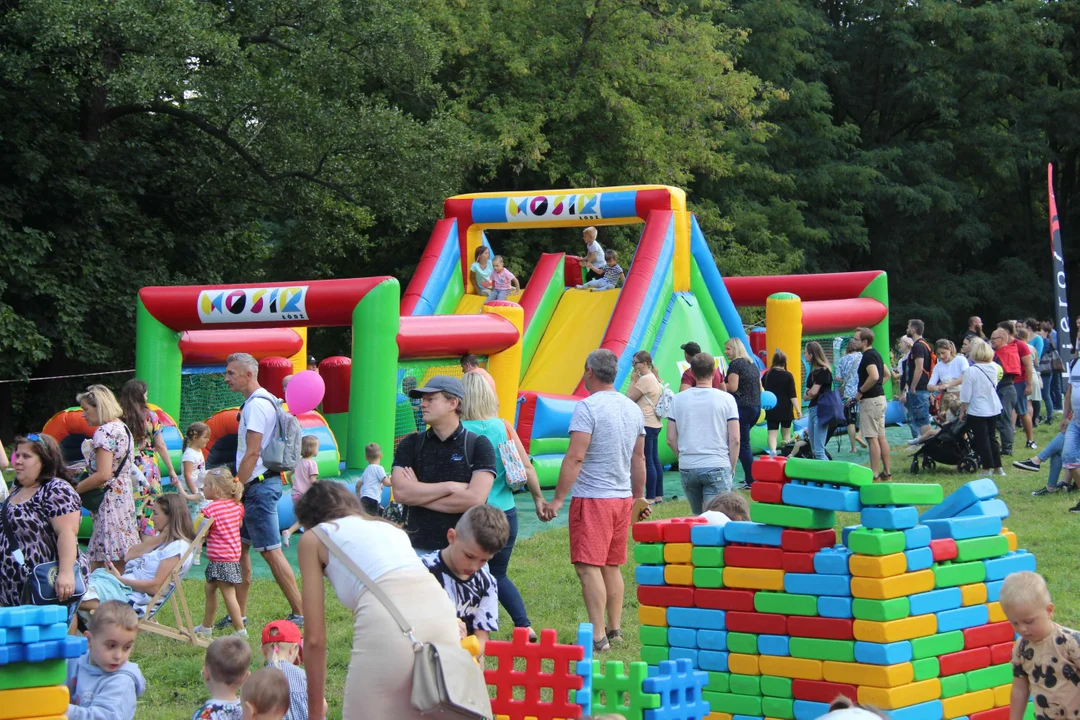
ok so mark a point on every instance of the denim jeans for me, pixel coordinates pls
(1070, 453)
(260, 528)
(918, 411)
(1047, 401)
(819, 434)
(701, 485)
(748, 417)
(1052, 452)
(654, 471)
(1007, 421)
(1055, 390)
(498, 564)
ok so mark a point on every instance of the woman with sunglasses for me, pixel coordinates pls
(40, 519)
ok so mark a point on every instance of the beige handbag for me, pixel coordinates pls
(447, 682)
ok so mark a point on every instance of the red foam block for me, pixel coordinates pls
(999, 713)
(506, 679)
(760, 623)
(770, 469)
(821, 691)
(715, 599)
(826, 628)
(767, 492)
(943, 549)
(753, 557)
(1001, 653)
(798, 562)
(807, 540)
(649, 532)
(665, 596)
(959, 662)
(991, 634)
(678, 530)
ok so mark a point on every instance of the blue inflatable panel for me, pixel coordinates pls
(682, 637)
(713, 660)
(917, 537)
(919, 559)
(774, 645)
(962, 618)
(33, 633)
(814, 584)
(711, 639)
(931, 709)
(702, 254)
(681, 653)
(67, 648)
(966, 495)
(13, 617)
(935, 601)
(890, 518)
(995, 506)
(654, 295)
(895, 413)
(439, 280)
(649, 574)
(882, 653)
(751, 533)
(832, 561)
(822, 497)
(965, 527)
(711, 535)
(999, 568)
(835, 607)
(809, 710)
(993, 590)
(697, 618)
(552, 418)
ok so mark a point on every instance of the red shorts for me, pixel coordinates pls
(599, 530)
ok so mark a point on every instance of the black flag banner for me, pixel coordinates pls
(1061, 302)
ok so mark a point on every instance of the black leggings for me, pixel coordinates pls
(985, 441)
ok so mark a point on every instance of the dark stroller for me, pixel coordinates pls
(951, 446)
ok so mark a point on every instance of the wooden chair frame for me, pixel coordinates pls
(172, 592)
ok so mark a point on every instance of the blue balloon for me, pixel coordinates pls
(768, 400)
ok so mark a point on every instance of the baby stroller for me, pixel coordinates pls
(951, 446)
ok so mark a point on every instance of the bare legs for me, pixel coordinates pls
(283, 575)
(602, 589)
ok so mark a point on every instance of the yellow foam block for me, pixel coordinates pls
(886, 588)
(1002, 695)
(679, 574)
(743, 664)
(974, 594)
(718, 716)
(882, 676)
(33, 702)
(968, 703)
(878, 566)
(678, 553)
(1012, 538)
(996, 613)
(902, 696)
(789, 667)
(895, 630)
(753, 578)
(649, 615)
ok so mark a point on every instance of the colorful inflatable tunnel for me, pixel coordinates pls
(224, 425)
(69, 429)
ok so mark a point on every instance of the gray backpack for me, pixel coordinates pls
(282, 454)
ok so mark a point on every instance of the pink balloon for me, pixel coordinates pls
(305, 392)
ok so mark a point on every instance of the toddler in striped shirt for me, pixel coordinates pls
(223, 493)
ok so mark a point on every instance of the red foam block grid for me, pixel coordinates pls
(665, 596)
(807, 540)
(767, 492)
(649, 532)
(991, 634)
(760, 623)
(943, 549)
(678, 530)
(751, 556)
(770, 469)
(533, 679)
(1000, 713)
(715, 599)
(826, 628)
(798, 562)
(1001, 653)
(821, 691)
(959, 662)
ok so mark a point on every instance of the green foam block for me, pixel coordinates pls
(989, 677)
(719, 682)
(776, 686)
(901, 494)
(934, 645)
(819, 649)
(876, 542)
(745, 643)
(31, 675)
(792, 516)
(785, 604)
(707, 557)
(959, 573)
(981, 548)
(829, 471)
(709, 577)
(775, 707)
(734, 704)
(926, 668)
(745, 684)
(953, 685)
(649, 553)
(653, 654)
(881, 610)
(652, 635)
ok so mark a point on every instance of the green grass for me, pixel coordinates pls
(542, 571)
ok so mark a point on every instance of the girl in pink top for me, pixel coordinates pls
(502, 280)
(306, 473)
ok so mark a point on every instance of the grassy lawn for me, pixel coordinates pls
(543, 573)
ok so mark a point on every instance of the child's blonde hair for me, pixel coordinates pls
(228, 660)
(498, 258)
(267, 691)
(222, 482)
(950, 402)
(1022, 589)
(195, 430)
(309, 446)
(731, 504)
(372, 452)
(112, 613)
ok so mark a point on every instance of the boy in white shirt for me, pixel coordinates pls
(370, 486)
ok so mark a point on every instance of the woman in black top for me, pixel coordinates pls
(744, 383)
(780, 383)
(818, 380)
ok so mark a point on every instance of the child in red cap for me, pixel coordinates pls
(283, 648)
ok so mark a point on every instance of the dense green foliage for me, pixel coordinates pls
(178, 141)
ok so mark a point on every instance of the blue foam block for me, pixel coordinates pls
(996, 506)
(890, 518)
(966, 495)
(935, 601)
(680, 685)
(774, 645)
(67, 648)
(33, 633)
(844, 532)
(649, 574)
(917, 537)
(835, 607)
(814, 584)
(993, 590)
(677, 653)
(13, 617)
(713, 660)
(882, 653)
(583, 668)
(964, 527)
(697, 618)
(822, 497)
(961, 618)
(999, 568)
(809, 710)
(919, 559)
(832, 561)
(752, 533)
(931, 709)
(748, 717)
(682, 637)
(711, 535)
(711, 639)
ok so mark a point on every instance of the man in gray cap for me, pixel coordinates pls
(441, 472)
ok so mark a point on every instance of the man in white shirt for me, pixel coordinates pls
(703, 432)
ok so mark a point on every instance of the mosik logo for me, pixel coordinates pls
(540, 207)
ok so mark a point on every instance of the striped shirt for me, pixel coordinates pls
(223, 540)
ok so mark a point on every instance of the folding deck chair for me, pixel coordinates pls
(174, 590)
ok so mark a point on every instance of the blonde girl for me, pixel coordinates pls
(306, 473)
(193, 466)
(224, 493)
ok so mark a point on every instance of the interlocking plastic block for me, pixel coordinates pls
(953, 685)
(999, 568)
(650, 615)
(33, 674)
(754, 557)
(823, 497)
(804, 584)
(892, 587)
(835, 607)
(829, 471)
(677, 637)
(37, 701)
(655, 654)
(936, 645)
(779, 645)
(953, 574)
(735, 704)
(726, 599)
(807, 540)
(993, 590)
(65, 648)
(707, 535)
(789, 667)
(613, 683)
(677, 530)
(974, 594)
(653, 635)
(1001, 653)
(583, 669)
(806, 710)
(885, 676)
(1002, 695)
(767, 492)
(743, 664)
(677, 553)
(714, 660)
(712, 639)
(902, 696)
(936, 601)
(33, 633)
(821, 627)
(901, 494)
(890, 518)
(967, 494)
(917, 537)
(649, 574)
(875, 542)
(791, 516)
(679, 574)
(666, 596)
(943, 549)
(995, 507)
(776, 686)
(708, 577)
(697, 618)
(981, 548)
(769, 469)
(821, 691)
(882, 653)
(997, 613)
(23, 615)
(753, 578)
(752, 533)
(759, 623)
(719, 682)
(680, 653)
(775, 707)
(989, 677)
(919, 559)
(746, 684)
(965, 661)
(926, 668)
(651, 531)
(832, 561)
(740, 642)
(557, 684)
(785, 603)
(878, 566)
(1011, 537)
(649, 553)
(798, 562)
(710, 557)
(967, 704)
(880, 610)
(921, 711)
(962, 528)
(895, 630)
(680, 688)
(819, 649)
(998, 713)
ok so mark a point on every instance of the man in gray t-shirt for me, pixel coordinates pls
(603, 473)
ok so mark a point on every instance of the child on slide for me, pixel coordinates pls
(502, 280)
(613, 274)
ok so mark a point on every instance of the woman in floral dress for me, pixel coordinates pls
(146, 429)
(109, 461)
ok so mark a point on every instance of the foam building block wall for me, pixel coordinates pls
(901, 614)
(34, 650)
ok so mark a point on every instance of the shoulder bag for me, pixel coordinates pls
(92, 499)
(513, 467)
(830, 406)
(447, 683)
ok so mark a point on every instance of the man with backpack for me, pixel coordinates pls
(917, 369)
(259, 428)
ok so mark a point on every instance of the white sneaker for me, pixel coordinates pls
(203, 631)
(285, 535)
(198, 560)
(999, 471)
(241, 633)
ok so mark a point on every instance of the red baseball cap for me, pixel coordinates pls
(283, 631)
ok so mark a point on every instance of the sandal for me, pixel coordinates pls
(615, 636)
(601, 645)
(886, 477)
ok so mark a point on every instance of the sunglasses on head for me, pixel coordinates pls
(35, 438)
